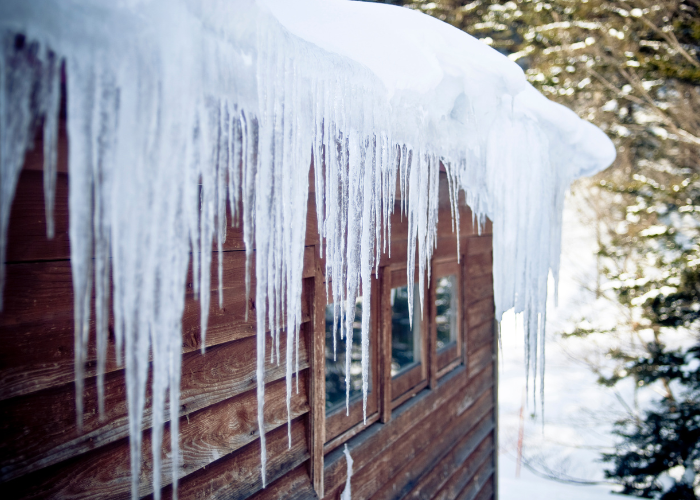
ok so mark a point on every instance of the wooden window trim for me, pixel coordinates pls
(451, 356)
(339, 426)
(404, 385)
(317, 415)
(349, 434)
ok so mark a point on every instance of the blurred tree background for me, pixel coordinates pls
(633, 69)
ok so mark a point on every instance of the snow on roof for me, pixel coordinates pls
(238, 96)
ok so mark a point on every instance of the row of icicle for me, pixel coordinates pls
(150, 182)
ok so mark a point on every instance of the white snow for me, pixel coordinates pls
(531, 487)
(578, 412)
(176, 106)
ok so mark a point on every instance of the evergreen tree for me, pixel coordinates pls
(632, 68)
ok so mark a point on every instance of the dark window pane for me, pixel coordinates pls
(446, 310)
(335, 364)
(405, 340)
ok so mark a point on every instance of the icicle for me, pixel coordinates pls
(249, 152)
(81, 85)
(222, 161)
(104, 118)
(346, 494)
(238, 103)
(542, 340)
(369, 233)
(16, 81)
(51, 97)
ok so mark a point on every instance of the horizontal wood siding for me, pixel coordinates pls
(441, 442)
(437, 442)
(42, 454)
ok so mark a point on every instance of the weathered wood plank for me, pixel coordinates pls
(447, 239)
(411, 458)
(446, 249)
(27, 240)
(480, 359)
(407, 382)
(479, 245)
(448, 356)
(467, 227)
(480, 312)
(234, 235)
(338, 421)
(350, 433)
(228, 426)
(238, 476)
(27, 225)
(367, 446)
(26, 234)
(295, 485)
(229, 322)
(37, 322)
(479, 265)
(471, 476)
(478, 288)
(39, 429)
(452, 459)
(487, 492)
(205, 436)
(481, 335)
(317, 417)
(481, 477)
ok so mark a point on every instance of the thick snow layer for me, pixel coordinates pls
(177, 107)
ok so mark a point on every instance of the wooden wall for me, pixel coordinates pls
(441, 442)
(438, 444)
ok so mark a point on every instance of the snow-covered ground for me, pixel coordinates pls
(530, 487)
(578, 413)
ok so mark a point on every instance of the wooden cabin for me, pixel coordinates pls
(431, 426)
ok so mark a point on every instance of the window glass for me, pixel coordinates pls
(446, 310)
(335, 363)
(405, 338)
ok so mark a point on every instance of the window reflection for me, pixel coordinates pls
(446, 310)
(405, 340)
(335, 365)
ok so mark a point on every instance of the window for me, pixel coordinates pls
(445, 314)
(336, 357)
(405, 336)
(416, 347)
(342, 423)
(410, 351)
(405, 330)
(446, 311)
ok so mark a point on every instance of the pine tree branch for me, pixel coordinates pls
(683, 135)
(632, 78)
(671, 39)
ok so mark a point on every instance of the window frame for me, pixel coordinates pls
(340, 426)
(451, 356)
(405, 385)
